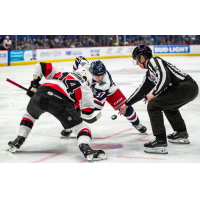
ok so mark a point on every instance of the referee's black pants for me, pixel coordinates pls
(169, 102)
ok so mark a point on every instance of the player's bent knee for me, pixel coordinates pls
(28, 116)
(82, 126)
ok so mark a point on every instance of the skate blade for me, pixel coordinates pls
(156, 150)
(65, 137)
(180, 141)
(143, 133)
(100, 157)
(12, 149)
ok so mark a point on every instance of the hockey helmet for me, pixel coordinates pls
(142, 50)
(97, 68)
(85, 74)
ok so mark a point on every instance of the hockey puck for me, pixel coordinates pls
(114, 117)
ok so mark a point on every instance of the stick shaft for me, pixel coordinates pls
(16, 84)
(94, 119)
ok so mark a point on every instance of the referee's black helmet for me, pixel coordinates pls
(142, 50)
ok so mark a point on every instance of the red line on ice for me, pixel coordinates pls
(139, 139)
(118, 133)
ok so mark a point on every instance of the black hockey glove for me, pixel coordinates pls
(34, 84)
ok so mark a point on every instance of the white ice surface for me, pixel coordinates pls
(120, 141)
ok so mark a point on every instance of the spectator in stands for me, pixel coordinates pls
(80, 38)
(77, 43)
(52, 44)
(110, 40)
(114, 42)
(187, 41)
(66, 43)
(85, 42)
(56, 41)
(121, 42)
(7, 44)
(183, 42)
(62, 40)
(197, 41)
(90, 41)
(158, 39)
(132, 41)
(38, 43)
(22, 45)
(193, 38)
(172, 39)
(163, 41)
(73, 45)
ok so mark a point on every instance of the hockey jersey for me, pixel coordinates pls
(7, 44)
(159, 76)
(64, 88)
(100, 90)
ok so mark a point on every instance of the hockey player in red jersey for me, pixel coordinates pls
(104, 89)
(57, 96)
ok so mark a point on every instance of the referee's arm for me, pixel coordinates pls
(164, 78)
(139, 93)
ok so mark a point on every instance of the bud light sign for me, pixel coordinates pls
(172, 49)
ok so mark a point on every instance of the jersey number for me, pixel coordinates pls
(70, 84)
(100, 94)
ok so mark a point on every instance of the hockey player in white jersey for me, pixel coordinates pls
(57, 96)
(104, 89)
(7, 44)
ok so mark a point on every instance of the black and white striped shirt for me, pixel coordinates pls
(160, 74)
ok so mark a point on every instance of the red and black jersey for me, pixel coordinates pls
(64, 87)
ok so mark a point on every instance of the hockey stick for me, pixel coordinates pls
(16, 84)
(94, 119)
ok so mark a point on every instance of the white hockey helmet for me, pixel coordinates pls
(85, 74)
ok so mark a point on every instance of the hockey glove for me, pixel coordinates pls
(33, 88)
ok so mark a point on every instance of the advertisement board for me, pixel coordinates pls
(20, 57)
(171, 49)
(23, 55)
(3, 58)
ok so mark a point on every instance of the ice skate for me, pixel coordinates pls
(156, 146)
(16, 144)
(90, 154)
(142, 129)
(65, 133)
(179, 137)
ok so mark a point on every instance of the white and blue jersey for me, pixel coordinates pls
(101, 90)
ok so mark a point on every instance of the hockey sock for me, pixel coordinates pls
(84, 136)
(26, 125)
(132, 116)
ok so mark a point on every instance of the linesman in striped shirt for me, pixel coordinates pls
(166, 89)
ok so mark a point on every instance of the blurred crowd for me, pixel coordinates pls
(73, 41)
